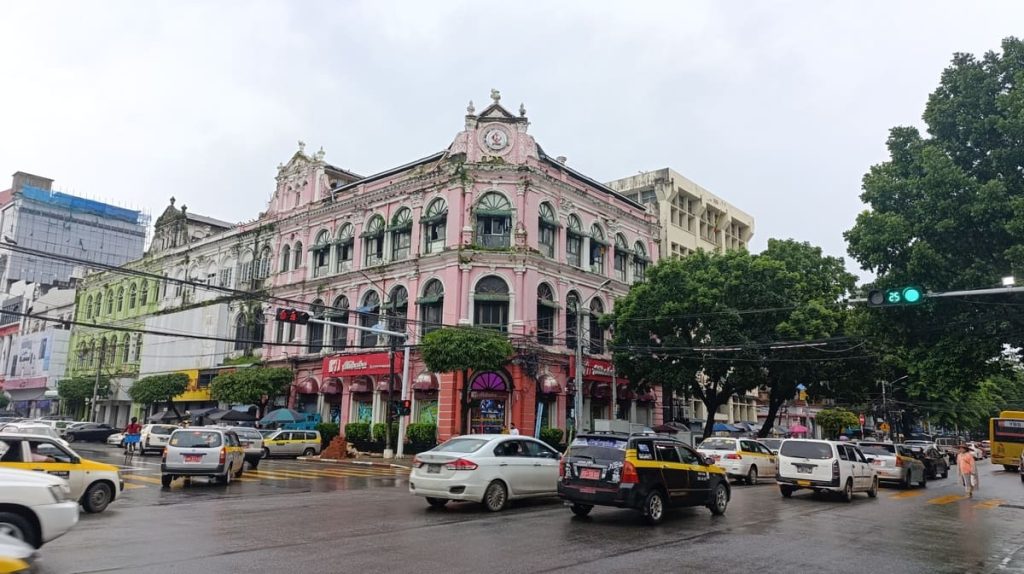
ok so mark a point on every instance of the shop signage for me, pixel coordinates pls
(596, 370)
(362, 364)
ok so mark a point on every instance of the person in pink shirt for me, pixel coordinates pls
(968, 470)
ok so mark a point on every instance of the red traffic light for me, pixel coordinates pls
(292, 316)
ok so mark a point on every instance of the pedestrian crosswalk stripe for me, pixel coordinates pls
(949, 498)
(907, 494)
(140, 478)
(989, 504)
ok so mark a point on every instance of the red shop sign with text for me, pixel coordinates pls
(364, 364)
(595, 370)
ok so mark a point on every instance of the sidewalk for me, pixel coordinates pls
(362, 460)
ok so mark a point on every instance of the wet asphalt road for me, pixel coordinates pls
(300, 517)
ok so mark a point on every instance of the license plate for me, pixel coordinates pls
(433, 469)
(193, 457)
(803, 483)
(590, 474)
(586, 490)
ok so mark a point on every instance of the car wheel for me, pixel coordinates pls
(752, 475)
(266, 452)
(719, 500)
(786, 490)
(241, 468)
(226, 479)
(848, 491)
(496, 496)
(165, 480)
(437, 502)
(308, 452)
(581, 510)
(945, 472)
(15, 526)
(70, 437)
(654, 507)
(1009, 468)
(97, 497)
(873, 493)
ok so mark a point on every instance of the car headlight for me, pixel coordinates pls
(60, 492)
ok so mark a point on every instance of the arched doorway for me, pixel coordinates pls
(489, 402)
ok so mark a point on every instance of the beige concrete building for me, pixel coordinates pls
(691, 217)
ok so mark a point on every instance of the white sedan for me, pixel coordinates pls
(492, 469)
(116, 439)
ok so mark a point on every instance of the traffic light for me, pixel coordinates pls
(406, 407)
(292, 316)
(908, 295)
(401, 408)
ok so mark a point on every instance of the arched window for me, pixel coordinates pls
(286, 258)
(547, 230)
(315, 331)
(262, 267)
(249, 330)
(621, 257)
(241, 333)
(338, 313)
(82, 353)
(398, 309)
(493, 221)
(98, 304)
(491, 302)
(297, 255)
(126, 348)
(88, 307)
(432, 306)
(598, 248)
(572, 310)
(144, 293)
(373, 238)
(401, 234)
(120, 299)
(110, 301)
(344, 247)
(322, 254)
(639, 262)
(133, 295)
(546, 308)
(596, 333)
(574, 242)
(138, 346)
(368, 317)
(259, 325)
(435, 226)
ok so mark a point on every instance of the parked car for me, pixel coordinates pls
(975, 451)
(825, 466)
(89, 432)
(252, 444)
(35, 507)
(93, 484)
(291, 443)
(154, 437)
(202, 451)
(492, 469)
(742, 458)
(894, 463)
(935, 463)
(647, 472)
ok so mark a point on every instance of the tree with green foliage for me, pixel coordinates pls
(252, 385)
(947, 213)
(833, 421)
(159, 388)
(76, 392)
(4, 401)
(464, 350)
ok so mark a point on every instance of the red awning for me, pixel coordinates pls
(307, 386)
(549, 385)
(331, 386)
(426, 382)
(360, 385)
(382, 384)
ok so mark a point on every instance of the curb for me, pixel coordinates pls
(318, 460)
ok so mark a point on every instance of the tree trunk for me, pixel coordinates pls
(774, 404)
(711, 403)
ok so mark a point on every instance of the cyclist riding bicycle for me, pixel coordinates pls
(132, 434)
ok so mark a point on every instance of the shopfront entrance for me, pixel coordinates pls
(489, 401)
(366, 375)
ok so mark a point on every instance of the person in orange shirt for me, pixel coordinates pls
(968, 470)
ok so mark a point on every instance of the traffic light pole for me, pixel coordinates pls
(961, 293)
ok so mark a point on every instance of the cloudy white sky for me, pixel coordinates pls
(778, 107)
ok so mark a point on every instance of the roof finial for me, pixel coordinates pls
(302, 146)
(496, 96)
(172, 201)
(522, 110)
(470, 109)
(320, 154)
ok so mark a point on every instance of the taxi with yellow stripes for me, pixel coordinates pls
(93, 484)
(742, 458)
(647, 472)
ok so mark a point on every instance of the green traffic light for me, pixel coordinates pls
(911, 295)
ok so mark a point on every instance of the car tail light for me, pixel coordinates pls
(416, 462)
(835, 470)
(899, 461)
(461, 464)
(733, 456)
(629, 475)
(223, 455)
(165, 454)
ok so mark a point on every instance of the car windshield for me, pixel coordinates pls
(195, 439)
(910, 450)
(163, 429)
(247, 433)
(878, 449)
(598, 449)
(806, 449)
(718, 444)
(463, 445)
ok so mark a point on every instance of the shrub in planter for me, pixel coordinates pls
(357, 432)
(327, 432)
(552, 436)
(380, 430)
(422, 433)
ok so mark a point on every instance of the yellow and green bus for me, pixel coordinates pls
(1006, 432)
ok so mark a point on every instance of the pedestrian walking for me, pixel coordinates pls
(968, 470)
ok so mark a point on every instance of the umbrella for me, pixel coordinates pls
(798, 429)
(164, 416)
(282, 416)
(744, 427)
(233, 415)
(722, 427)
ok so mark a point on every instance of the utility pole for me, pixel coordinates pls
(96, 383)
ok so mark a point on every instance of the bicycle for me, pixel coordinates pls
(131, 442)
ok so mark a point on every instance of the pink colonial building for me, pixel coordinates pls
(491, 232)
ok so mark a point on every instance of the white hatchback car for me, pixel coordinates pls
(741, 458)
(35, 507)
(491, 469)
(154, 437)
(825, 466)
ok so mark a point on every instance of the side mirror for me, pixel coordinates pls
(708, 461)
(775, 452)
(76, 460)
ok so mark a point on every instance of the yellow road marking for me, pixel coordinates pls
(949, 498)
(354, 472)
(989, 504)
(282, 473)
(907, 494)
(130, 486)
(140, 478)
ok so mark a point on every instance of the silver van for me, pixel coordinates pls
(202, 451)
(291, 443)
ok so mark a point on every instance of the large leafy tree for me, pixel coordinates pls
(159, 388)
(947, 212)
(77, 391)
(833, 421)
(462, 350)
(252, 385)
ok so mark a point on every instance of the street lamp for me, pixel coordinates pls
(578, 402)
(885, 410)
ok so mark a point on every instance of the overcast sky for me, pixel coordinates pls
(778, 107)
